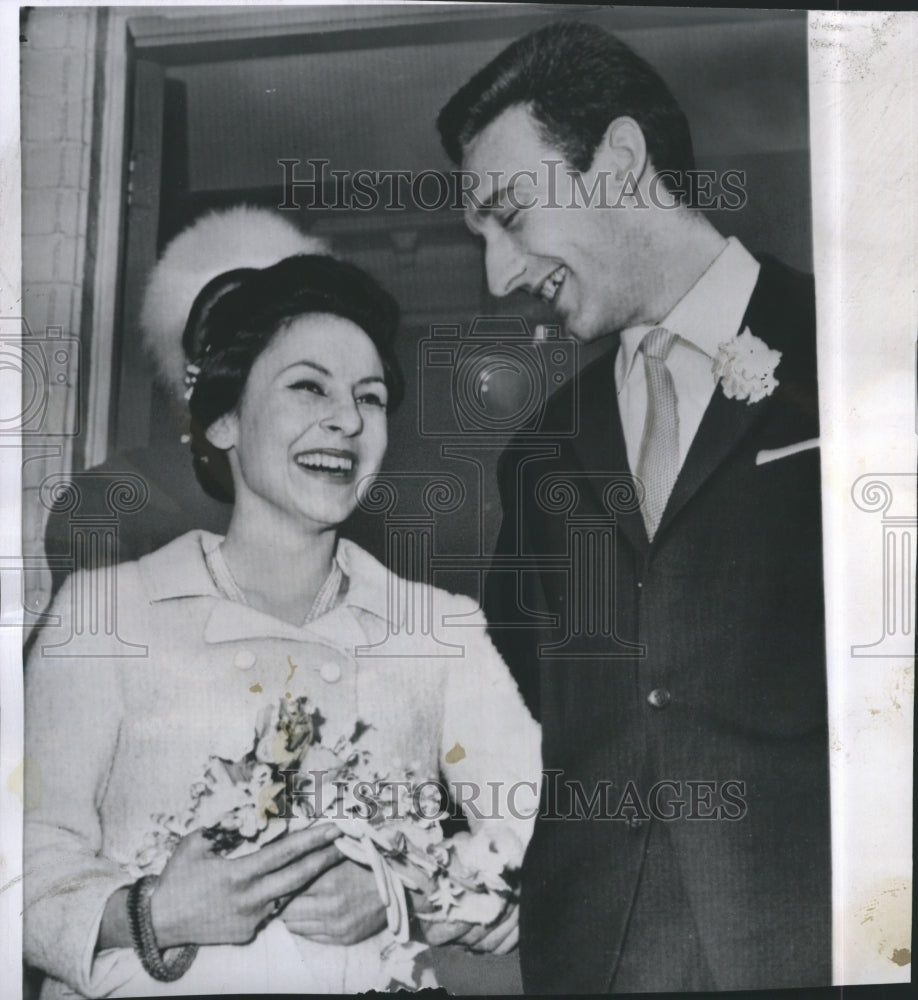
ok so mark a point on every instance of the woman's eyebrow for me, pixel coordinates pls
(309, 364)
(324, 371)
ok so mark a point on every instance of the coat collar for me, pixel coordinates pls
(178, 570)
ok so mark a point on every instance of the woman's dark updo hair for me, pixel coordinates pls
(235, 317)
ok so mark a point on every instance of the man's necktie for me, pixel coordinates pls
(658, 465)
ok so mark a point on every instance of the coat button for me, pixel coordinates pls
(659, 698)
(244, 659)
(635, 822)
(330, 672)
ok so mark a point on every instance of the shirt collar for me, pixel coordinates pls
(710, 312)
(178, 570)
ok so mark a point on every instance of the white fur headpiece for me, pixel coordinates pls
(219, 241)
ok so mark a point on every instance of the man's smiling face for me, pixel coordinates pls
(578, 253)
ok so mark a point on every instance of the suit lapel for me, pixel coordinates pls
(780, 312)
(776, 314)
(725, 423)
(600, 445)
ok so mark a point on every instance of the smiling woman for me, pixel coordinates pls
(170, 853)
(309, 336)
(292, 376)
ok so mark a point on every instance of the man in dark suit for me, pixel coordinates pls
(666, 622)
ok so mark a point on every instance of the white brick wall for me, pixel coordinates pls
(57, 164)
(57, 99)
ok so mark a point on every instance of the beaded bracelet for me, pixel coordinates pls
(140, 921)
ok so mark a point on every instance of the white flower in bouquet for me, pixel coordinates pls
(156, 849)
(488, 854)
(241, 805)
(472, 886)
(467, 905)
(285, 731)
(391, 823)
(237, 801)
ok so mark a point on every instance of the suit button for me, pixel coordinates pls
(244, 659)
(635, 822)
(659, 698)
(330, 672)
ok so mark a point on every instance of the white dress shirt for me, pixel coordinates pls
(707, 315)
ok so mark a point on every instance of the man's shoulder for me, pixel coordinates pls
(782, 293)
(776, 274)
(782, 312)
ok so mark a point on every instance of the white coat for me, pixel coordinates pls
(124, 710)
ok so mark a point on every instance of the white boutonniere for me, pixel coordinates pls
(745, 367)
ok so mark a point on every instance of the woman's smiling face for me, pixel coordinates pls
(311, 425)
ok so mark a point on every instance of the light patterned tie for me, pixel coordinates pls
(658, 465)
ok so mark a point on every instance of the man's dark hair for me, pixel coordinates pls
(237, 315)
(575, 79)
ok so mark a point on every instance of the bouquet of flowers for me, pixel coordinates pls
(390, 821)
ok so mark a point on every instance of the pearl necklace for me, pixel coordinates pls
(225, 582)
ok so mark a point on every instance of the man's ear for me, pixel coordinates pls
(222, 432)
(623, 149)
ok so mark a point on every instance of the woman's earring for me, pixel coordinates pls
(220, 433)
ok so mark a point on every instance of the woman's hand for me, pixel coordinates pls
(497, 938)
(341, 907)
(203, 898)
